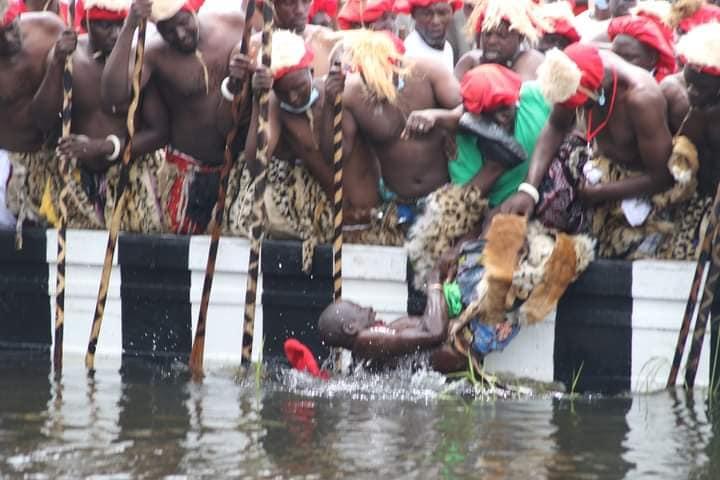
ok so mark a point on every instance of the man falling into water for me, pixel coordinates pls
(97, 139)
(188, 61)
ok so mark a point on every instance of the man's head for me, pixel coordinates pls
(177, 23)
(640, 41)
(618, 8)
(500, 27)
(103, 20)
(431, 23)
(492, 91)
(635, 52)
(290, 66)
(43, 6)
(10, 34)
(292, 14)
(556, 22)
(571, 77)
(340, 323)
(699, 50)
(374, 15)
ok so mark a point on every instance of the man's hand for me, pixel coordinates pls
(86, 150)
(589, 194)
(447, 265)
(262, 80)
(139, 10)
(335, 82)
(65, 45)
(240, 66)
(520, 204)
(419, 123)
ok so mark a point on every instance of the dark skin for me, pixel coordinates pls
(702, 125)
(386, 22)
(675, 92)
(501, 46)
(43, 6)
(432, 23)
(636, 136)
(552, 40)
(412, 168)
(292, 15)
(24, 46)
(635, 52)
(90, 124)
(200, 118)
(618, 8)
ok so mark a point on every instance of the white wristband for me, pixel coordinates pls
(226, 93)
(530, 190)
(116, 147)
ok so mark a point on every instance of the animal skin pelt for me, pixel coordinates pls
(451, 212)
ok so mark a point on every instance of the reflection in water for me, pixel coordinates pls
(152, 422)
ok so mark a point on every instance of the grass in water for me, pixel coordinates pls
(576, 379)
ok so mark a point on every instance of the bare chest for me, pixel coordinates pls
(192, 74)
(19, 79)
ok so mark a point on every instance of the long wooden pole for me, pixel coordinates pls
(67, 83)
(338, 200)
(198, 349)
(120, 200)
(700, 267)
(256, 227)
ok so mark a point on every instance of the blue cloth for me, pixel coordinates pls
(407, 213)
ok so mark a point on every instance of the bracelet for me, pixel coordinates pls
(530, 190)
(226, 93)
(116, 147)
(435, 286)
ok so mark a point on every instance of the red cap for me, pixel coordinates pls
(646, 31)
(705, 14)
(328, 6)
(407, 6)
(97, 13)
(302, 359)
(588, 60)
(359, 12)
(489, 86)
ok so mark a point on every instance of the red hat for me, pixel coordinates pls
(557, 18)
(646, 31)
(489, 86)
(407, 6)
(10, 10)
(301, 358)
(289, 54)
(112, 10)
(328, 6)
(166, 9)
(700, 48)
(705, 14)
(360, 11)
(564, 75)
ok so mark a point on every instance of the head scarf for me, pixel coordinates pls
(362, 12)
(562, 73)
(646, 31)
(700, 48)
(289, 54)
(489, 86)
(407, 6)
(10, 10)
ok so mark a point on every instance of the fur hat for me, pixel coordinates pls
(566, 77)
(557, 18)
(700, 48)
(489, 14)
(681, 9)
(688, 14)
(101, 9)
(166, 9)
(289, 53)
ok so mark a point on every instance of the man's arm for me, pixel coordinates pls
(677, 102)
(649, 120)
(274, 131)
(431, 330)
(155, 131)
(115, 86)
(444, 84)
(48, 100)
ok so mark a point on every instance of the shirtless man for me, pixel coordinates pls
(97, 138)
(375, 111)
(503, 30)
(374, 15)
(187, 61)
(557, 27)
(640, 41)
(625, 114)
(432, 20)
(24, 45)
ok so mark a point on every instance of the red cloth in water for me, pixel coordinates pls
(15, 8)
(354, 12)
(646, 31)
(407, 6)
(588, 60)
(328, 6)
(489, 86)
(705, 14)
(302, 359)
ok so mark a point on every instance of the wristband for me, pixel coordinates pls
(226, 93)
(530, 190)
(116, 147)
(435, 286)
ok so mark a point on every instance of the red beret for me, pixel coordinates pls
(359, 12)
(489, 86)
(646, 31)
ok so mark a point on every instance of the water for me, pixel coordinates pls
(154, 423)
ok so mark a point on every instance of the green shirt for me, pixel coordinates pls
(531, 116)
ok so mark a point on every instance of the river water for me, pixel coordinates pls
(142, 422)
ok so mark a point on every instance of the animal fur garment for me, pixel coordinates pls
(451, 212)
(505, 240)
(681, 9)
(683, 165)
(558, 76)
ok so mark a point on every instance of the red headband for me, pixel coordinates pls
(705, 14)
(354, 12)
(489, 86)
(407, 6)
(646, 31)
(587, 59)
(305, 62)
(714, 71)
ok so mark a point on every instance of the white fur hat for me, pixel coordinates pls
(701, 47)
(112, 5)
(165, 9)
(558, 76)
(289, 53)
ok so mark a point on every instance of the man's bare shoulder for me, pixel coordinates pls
(46, 22)
(674, 85)
(233, 20)
(321, 35)
(429, 67)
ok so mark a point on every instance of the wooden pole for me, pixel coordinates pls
(120, 200)
(258, 215)
(338, 200)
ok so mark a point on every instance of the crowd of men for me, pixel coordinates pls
(594, 120)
